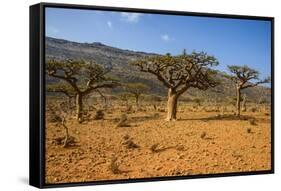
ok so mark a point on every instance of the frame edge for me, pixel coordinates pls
(35, 174)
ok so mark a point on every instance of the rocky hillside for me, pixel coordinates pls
(118, 59)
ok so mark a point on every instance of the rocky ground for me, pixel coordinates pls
(147, 146)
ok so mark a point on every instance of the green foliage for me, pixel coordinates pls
(136, 88)
(183, 71)
(82, 76)
(61, 88)
(243, 75)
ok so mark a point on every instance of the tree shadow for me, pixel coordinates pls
(219, 117)
(155, 148)
(158, 150)
(142, 118)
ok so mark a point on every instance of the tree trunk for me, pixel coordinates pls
(238, 98)
(79, 107)
(66, 138)
(137, 103)
(172, 105)
(244, 106)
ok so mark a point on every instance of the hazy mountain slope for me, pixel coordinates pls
(118, 59)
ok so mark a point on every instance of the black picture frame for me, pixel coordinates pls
(37, 95)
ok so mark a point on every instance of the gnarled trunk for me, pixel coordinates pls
(238, 98)
(172, 105)
(79, 107)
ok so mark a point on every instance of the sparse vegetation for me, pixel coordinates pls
(124, 134)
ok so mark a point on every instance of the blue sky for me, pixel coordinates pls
(231, 41)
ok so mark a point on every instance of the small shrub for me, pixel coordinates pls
(99, 115)
(252, 122)
(161, 110)
(54, 119)
(197, 101)
(130, 144)
(126, 137)
(203, 135)
(253, 109)
(86, 116)
(249, 130)
(153, 148)
(114, 167)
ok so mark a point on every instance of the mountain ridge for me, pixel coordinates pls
(119, 59)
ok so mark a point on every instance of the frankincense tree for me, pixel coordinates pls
(244, 77)
(83, 77)
(179, 73)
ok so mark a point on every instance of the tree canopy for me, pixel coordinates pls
(82, 76)
(246, 77)
(181, 72)
(63, 88)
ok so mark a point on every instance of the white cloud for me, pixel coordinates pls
(109, 24)
(130, 17)
(165, 37)
(52, 30)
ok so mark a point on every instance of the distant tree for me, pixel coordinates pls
(62, 88)
(136, 89)
(179, 73)
(244, 77)
(83, 77)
